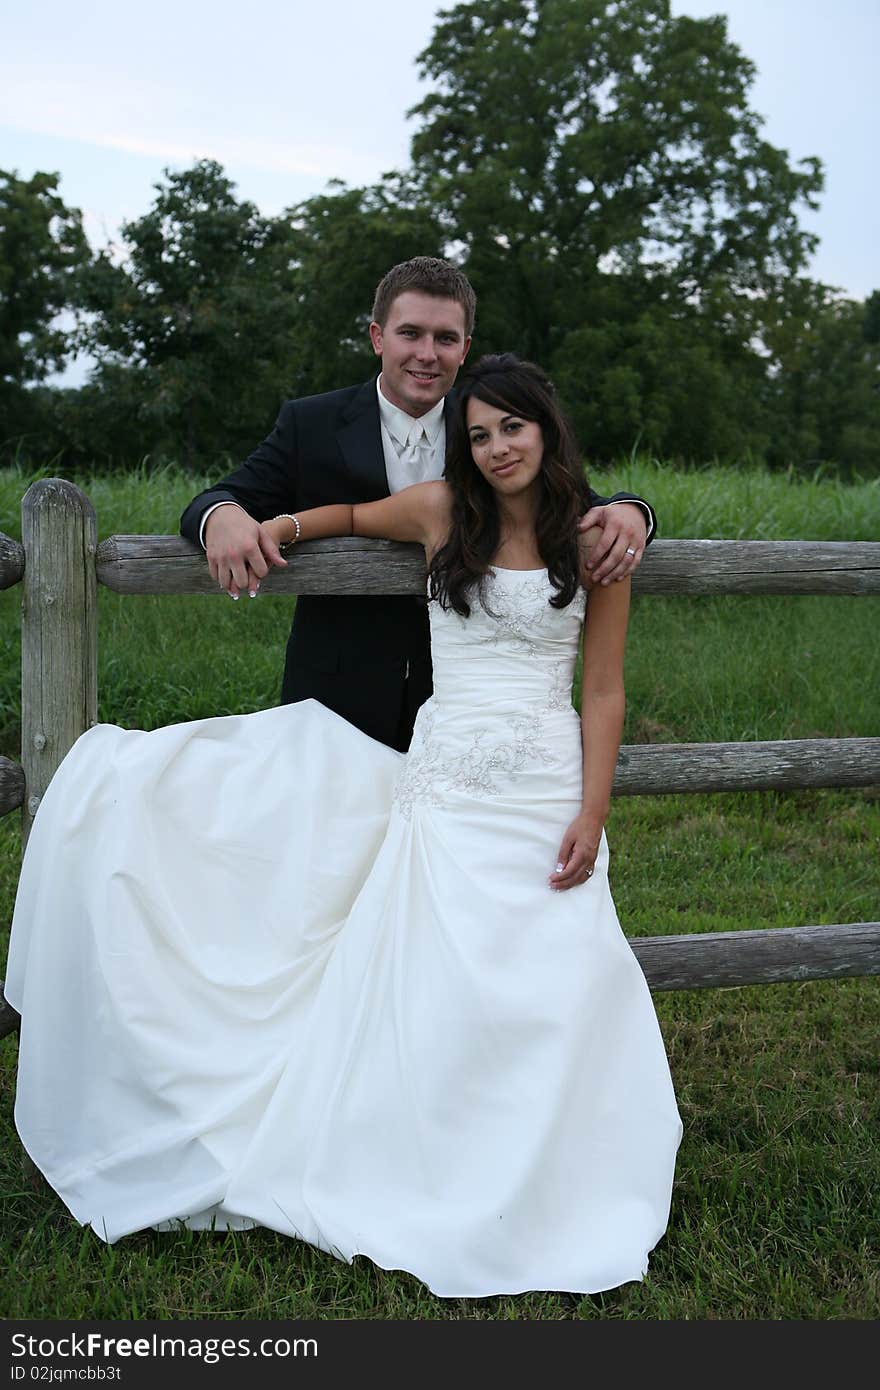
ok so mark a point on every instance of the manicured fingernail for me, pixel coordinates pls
(253, 593)
(559, 868)
(234, 597)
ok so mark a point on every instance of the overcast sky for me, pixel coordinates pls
(289, 93)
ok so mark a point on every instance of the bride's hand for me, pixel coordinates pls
(577, 854)
(274, 528)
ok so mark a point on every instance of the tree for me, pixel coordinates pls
(826, 379)
(342, 243)
(595, 158)
(215, 314)
(193, 328)
(42, 251)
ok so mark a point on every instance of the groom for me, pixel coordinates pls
(368, 657)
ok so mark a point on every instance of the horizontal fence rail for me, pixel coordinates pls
(661, 768)
(760, 567)
(12, 783)
(725, 960)
(773, 955)
(783, 765)
(353, 565)
(60, 566)
(11, 561)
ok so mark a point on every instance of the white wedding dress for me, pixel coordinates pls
(272, 972)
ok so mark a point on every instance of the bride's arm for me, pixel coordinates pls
(602, 711)
(417, 513)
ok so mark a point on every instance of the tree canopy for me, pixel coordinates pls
(617, 204)
(42, 250)
(596, 168)
(193, 325)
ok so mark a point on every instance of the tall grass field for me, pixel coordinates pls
(775, 1212)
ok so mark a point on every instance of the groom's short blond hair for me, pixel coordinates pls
(427, 275)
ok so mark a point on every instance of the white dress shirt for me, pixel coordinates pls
(415, 450)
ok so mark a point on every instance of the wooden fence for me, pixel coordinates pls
(59, 565)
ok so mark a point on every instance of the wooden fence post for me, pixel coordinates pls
(59, 641)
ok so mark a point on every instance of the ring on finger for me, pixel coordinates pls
(629, 550)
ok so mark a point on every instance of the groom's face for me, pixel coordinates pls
(422, 345)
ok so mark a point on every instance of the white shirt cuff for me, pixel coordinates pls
(207, 513)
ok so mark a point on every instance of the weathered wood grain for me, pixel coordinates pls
(657, 768)
(11, 785)
(349, 565)
(774, 955)
(352, 565)
(11, 561)
(759, 567)
(59, 652)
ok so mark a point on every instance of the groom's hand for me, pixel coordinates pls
(239, 550)
(620, 545)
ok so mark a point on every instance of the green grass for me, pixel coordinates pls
(774, 1212)
(719, 502)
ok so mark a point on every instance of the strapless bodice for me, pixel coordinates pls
(513, 651)
(500, 722)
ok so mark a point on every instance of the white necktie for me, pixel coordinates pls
(417, 455)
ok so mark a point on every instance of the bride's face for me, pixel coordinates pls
(507, 449)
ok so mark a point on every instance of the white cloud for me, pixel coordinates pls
(158, 121)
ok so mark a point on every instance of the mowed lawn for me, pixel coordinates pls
(774, 1211)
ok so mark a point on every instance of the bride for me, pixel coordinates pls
(272, 972)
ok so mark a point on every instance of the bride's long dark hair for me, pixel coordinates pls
(461, 564)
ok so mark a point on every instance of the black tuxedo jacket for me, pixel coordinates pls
(367, 658)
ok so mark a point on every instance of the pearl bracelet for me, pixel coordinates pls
(288, 516)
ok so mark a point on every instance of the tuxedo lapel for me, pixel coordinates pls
(360, 439)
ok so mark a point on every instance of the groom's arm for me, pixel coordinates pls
(226, 520)
(627, 525)
(264, 485)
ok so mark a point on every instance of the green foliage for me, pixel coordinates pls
(666, 377)
(565, 132)
(622, 217)
(42, 250)
(342, 243)
(827, 380)
(193, 328)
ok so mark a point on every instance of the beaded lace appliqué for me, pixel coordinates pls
(428, 772)
(516, 616)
